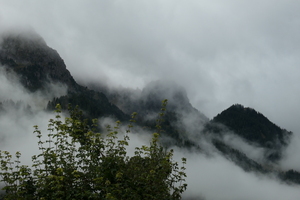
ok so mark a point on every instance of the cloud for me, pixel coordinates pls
(21, 111)
(252, 151)
(12, 89)
(215, 178)
(208, 177)
(222, 52)
(291, 159)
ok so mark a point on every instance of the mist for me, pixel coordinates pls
(216, 178)
(209, 176)
(291, 159)
(220, 52)
(21, 111)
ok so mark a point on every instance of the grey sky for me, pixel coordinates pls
(222, 52)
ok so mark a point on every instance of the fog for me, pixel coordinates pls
(12, 89)
(220, 52)
(208, 176)
(216, 178)
(17, 121)
(291, 158)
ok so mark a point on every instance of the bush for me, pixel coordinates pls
(76, 162)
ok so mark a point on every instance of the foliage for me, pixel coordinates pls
(76, 162)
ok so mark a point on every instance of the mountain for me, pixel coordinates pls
(240, 158)
(255, 128)
(182, 121)
(28, 55)
(257, 131)
(38, 65)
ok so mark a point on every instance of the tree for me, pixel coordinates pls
(76, 162)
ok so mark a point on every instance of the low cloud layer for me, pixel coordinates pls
(12, 89)
(221, 52)
(291, 159)
(209, 177)
(215, 178)
(21, 111)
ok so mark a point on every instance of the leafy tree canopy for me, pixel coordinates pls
(76, 162)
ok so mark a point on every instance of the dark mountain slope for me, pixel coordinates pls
(239, 158)
(182, 121)
(253, 127)
(28, 55)
(37, 65)
(249, 165)
(95, 104)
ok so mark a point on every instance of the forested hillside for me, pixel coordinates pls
(39, 69)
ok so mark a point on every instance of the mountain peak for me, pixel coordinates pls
(156, 91)
(24, 35)
(27, 54)
(254, 127)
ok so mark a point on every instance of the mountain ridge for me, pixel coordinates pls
(37, 64)
(29, 56)
(255, 128)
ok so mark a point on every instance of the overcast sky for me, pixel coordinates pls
(222, 52)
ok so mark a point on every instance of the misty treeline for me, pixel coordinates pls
(238, 146)
(7, 105)
(77, 162)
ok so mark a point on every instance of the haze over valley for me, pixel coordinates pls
(230, 75)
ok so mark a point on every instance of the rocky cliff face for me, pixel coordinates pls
(28, 55)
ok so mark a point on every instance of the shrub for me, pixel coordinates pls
(76, 162)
